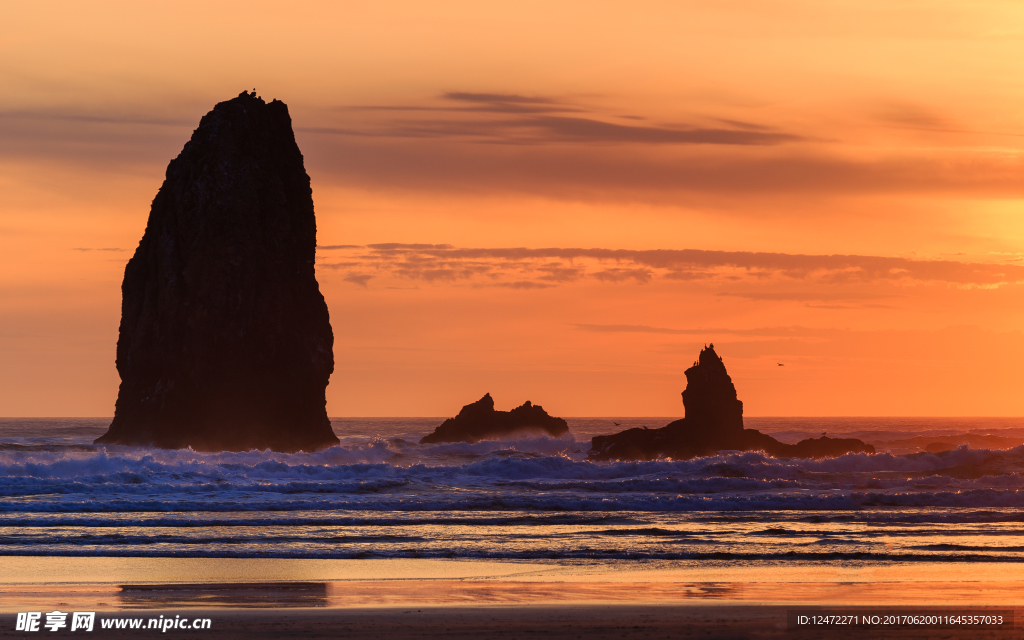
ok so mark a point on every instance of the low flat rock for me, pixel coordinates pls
(479, 421)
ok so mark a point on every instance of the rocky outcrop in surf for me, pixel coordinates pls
(479, 421)
(225, 340)
(713, 422)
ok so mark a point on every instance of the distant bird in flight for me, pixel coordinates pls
(616, 423)
(780, 364)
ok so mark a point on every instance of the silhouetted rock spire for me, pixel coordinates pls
(225, 341)
(479, 421)
(710, 397)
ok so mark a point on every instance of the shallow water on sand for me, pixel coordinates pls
(382, 495)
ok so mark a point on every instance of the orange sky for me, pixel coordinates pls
(559, 202)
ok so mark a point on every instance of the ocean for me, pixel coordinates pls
(382, 495)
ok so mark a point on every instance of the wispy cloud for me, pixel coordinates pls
(555, 166)
(643, 276)
(120, 117)
(539, 120)
(523, 284)
(360, 279)
(804, 296)
(552, 266)
(763, 332)
(470, 142)
(339, 265)
(497, 98)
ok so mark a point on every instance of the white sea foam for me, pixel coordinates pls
(500, 477)
(376, 496)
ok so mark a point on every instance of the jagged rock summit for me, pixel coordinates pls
(713, 422)
(479, 421)
(225, 340)
(710, 396)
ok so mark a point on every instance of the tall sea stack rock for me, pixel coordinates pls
(713, 422)
(710, 396)
(479, 421)
(225, 340)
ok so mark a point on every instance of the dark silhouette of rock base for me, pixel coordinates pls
(225, 340)
(713, 423)
(479, 421)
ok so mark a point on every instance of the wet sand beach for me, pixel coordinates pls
(433, 599)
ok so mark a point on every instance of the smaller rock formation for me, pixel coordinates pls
(713, 422)
(479, 421)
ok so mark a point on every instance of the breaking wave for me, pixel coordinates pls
(502, 476)
(535, 497)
